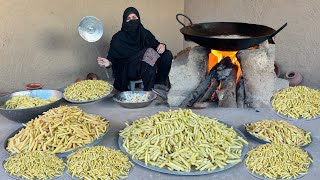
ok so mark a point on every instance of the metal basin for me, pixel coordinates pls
(24, 115)
(123, 97)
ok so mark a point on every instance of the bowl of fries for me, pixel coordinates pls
(86, 91)
(135, 99)
(22, 106)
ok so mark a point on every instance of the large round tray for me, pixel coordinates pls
(18, 178)
(264, 178)
(63, 154)
(91, 100)
(288, 118)
(192, 172)
(244, 129)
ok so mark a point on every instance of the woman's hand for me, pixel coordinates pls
(103, 62)
(161, 48)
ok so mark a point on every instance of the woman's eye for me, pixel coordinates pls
(132, 18)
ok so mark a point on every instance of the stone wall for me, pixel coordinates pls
(260, 80)
(188, 70)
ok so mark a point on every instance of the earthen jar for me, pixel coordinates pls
(92, 76)
(33, 86)
(294, 78)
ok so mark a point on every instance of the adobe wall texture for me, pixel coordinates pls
(39, 40)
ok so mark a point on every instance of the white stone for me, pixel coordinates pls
(187, 71)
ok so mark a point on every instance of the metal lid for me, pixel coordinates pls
(90, 28)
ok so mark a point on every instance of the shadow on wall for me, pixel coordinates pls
(71, 55)
(103, 46)
(54, 40)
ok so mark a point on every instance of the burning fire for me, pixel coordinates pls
(216, 56)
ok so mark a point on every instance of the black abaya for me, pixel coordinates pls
(126, 51)
(151, 74)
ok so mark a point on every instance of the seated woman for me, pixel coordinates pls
(136, 54)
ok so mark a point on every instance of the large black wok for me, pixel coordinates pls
(214, 35)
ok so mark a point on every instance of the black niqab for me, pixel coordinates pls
(128, 46)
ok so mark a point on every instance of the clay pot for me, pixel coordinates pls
(294, 78)
(92, 76)
(33, 86)
(277, 69)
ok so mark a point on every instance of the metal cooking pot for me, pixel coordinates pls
(214, 35)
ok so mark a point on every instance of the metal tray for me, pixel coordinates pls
(64, 154)
(288, 118)
(91, 100)
(192, 172)
(18, 178)
(264, 178)
(243, 129)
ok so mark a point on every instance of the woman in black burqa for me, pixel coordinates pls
(136, 54)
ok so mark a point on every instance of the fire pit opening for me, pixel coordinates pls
(215, 57)
(237, 79)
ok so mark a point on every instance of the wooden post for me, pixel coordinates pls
(240, 94)
(229, 97)
(207, 95)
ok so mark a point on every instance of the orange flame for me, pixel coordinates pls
(216, 56)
